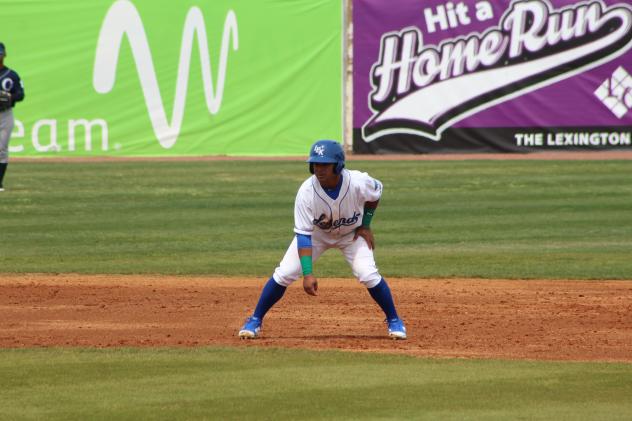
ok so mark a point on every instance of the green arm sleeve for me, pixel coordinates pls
(306, 264)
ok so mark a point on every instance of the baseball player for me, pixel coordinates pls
(333, 209)
(11, 91)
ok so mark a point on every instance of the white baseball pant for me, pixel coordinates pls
(357, 253)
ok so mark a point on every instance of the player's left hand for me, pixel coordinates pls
(367, 234)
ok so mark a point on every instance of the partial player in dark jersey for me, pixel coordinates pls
(11, 91)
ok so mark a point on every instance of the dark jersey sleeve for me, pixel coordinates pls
(17, 91)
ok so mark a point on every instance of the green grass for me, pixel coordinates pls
(514, 219)
(490, 219)
(198, 384)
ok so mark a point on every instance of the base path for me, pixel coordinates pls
(552, 320)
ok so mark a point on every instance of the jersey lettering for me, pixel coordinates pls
(314, 210)
(324, 224)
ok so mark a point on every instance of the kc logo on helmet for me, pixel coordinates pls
(320, 150)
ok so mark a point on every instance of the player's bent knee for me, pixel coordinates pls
(284, 280)
(370, 280)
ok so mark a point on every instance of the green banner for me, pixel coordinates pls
(182, 78)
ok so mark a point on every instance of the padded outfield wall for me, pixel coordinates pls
(237, 77)
(183, 78)
(492, 76)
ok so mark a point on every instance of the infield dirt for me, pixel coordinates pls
(471, 318)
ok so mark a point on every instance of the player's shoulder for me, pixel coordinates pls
(307, 186)
(362, 182)
(356, 173)
(9, 72)
(359, 177)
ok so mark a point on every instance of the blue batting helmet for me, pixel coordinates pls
(327, 152)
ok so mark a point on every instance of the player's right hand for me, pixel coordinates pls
(367, 234)
(310, 285)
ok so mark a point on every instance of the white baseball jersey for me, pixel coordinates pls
(329, 221)
(315, 210)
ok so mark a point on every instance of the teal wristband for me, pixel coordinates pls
(306, 264)
(368, 215)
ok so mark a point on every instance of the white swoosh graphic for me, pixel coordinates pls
(123, 19)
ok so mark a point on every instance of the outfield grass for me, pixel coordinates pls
(218, 384)
(490, 219)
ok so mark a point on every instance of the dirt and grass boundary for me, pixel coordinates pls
(463, 318)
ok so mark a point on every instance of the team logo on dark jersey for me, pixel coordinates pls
(7, 85)
(326, 224)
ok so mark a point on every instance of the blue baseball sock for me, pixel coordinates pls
(381, 293)
(272, 292)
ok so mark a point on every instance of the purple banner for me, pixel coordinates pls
(489, 76)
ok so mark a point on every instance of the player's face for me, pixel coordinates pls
(325, 175)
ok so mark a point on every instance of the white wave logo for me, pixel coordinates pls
(123, 19)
